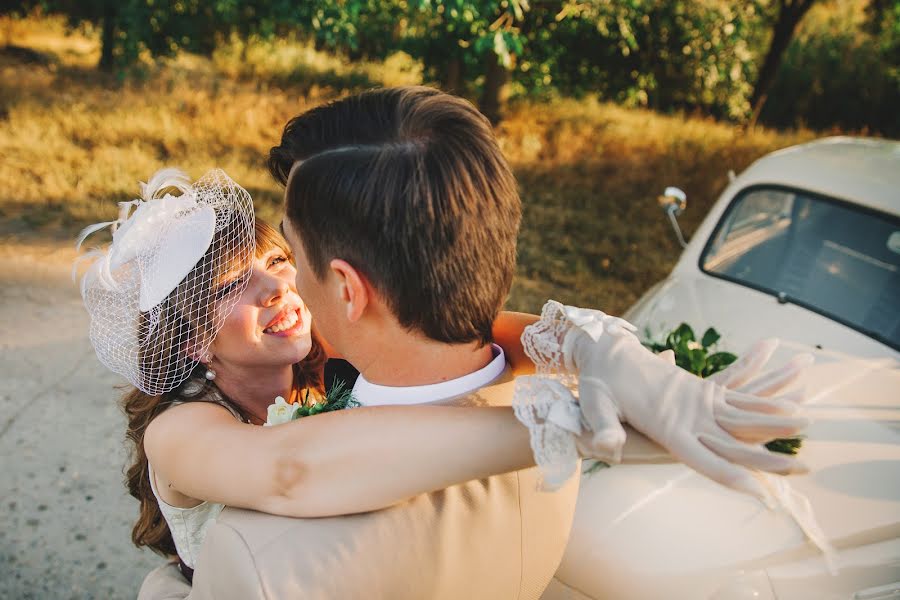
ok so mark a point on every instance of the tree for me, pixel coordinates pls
(102, 13)
(464, 41)
(130, 27)
(789, 14)
(676, 55)
(835, 75)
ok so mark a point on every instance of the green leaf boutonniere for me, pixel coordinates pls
(338, 397)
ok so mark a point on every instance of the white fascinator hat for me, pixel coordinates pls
(159, 293)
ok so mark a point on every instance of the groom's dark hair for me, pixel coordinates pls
(409, 186)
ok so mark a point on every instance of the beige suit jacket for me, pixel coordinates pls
(494, 538)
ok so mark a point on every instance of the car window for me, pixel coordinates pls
(838, 259)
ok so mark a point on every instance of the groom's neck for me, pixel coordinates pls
(411, 359)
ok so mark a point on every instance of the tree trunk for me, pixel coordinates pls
(492, 95)
(453, 76)
(789, 15)
(108, 36)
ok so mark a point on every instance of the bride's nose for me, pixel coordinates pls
(272, 290)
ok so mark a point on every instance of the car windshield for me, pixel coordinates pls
(837, 259)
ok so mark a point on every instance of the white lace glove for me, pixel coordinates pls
(708, 427)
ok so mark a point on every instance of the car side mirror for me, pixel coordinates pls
(674, 201)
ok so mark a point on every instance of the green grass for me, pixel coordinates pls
(75, 142)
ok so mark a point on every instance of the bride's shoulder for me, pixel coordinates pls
(185, 420)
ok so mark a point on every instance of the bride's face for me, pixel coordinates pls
(270, 325)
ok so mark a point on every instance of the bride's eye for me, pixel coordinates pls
(280, 258)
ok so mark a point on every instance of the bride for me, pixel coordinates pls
(195, 303)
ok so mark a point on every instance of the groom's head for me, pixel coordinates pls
(406, 188)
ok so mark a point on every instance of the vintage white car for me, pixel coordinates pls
(804, 246)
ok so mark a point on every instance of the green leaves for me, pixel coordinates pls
(717, 362)
(710, 337)
(694, 356)
(676, 55)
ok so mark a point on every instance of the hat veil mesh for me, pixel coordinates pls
(159, 294)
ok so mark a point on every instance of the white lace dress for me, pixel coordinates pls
(187, 525)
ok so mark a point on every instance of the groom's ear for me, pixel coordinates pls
(353, 288)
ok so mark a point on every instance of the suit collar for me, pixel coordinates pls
(370, 394)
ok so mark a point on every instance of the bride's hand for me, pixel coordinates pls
(717, 430)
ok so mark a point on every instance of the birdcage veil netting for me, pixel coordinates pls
(177, 265)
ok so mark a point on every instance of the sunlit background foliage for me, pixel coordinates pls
(703, 56)
(599, 104)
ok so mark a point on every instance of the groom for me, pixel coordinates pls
(403, 216)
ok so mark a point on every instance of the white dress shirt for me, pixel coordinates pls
(371, 394)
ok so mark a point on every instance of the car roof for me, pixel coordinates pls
(863, 171)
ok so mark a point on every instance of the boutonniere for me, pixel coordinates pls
(338, 397)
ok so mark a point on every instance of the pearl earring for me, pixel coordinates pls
(210, 374)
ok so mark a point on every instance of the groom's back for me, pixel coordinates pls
(491, 539)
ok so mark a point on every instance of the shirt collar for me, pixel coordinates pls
(370, 394)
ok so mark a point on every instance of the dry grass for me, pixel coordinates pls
(74, 141)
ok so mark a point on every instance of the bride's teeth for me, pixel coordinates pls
(289, 321)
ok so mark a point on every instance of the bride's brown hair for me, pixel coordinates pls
(140, 409)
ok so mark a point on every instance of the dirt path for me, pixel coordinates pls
(65, 513)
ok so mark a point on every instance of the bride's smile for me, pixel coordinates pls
(288, 322)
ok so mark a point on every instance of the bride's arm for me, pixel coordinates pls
(300, 469)
(334, 463)
(507, 332)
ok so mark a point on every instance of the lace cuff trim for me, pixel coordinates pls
(545, 341)
(553, 418)
(544, 402)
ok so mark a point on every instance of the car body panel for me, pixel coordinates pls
(863, 171)
(710, 536)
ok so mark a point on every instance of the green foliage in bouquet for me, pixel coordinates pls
(700, 359)
(693, 356)
(338, 397)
